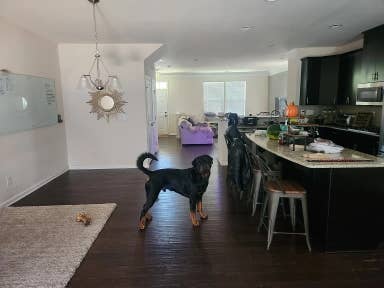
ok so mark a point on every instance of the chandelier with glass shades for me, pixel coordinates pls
(106, 94)
(93, 79)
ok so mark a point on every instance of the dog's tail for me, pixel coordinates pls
(140, 161)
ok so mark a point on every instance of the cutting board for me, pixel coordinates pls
(322, 157)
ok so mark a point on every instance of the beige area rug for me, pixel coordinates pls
(42, 246)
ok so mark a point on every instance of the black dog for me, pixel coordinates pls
(191, 183)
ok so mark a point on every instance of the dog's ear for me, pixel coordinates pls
(195, 162)
(208, 158)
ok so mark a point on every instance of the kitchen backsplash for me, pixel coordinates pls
(376, 110)
(313, 110)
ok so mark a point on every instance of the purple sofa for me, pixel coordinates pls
(200, 133)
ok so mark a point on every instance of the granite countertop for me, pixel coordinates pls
(301, 157)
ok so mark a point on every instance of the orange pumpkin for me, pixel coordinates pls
(292, 110)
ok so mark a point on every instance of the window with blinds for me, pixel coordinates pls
(225, 97)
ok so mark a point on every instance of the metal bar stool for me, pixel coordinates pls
(256, 189)
(256, 181)
(256, 184)
(276, 189)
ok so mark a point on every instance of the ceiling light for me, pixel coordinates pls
(336, 26)
(246, 28)
(95, 81)
(270, 1)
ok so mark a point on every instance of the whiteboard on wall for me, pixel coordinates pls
(26, 102)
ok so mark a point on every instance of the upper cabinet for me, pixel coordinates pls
(332, 80)
(329, 80)
(310, 81)
(319, 80)
(373, 55)
(350, 74)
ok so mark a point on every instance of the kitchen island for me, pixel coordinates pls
(345, 194)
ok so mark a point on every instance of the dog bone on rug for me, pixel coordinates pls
(83, 217)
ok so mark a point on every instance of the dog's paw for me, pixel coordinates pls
(148, 217)
(203, 216)
(196, 223)
(142, 223)
(141, 227)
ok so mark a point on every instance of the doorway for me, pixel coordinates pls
(162, 107)
(150, 91)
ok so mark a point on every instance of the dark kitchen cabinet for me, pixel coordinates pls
(373, 55)
(310, 81)
(319, 80)
(357, 141)
(329, 80)
(335, 135)
(349, 77)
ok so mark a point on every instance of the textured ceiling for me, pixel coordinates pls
(202, 35)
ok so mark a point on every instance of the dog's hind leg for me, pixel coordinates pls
(152, 192)
(148, 216)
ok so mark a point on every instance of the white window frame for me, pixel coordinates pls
(161, 85)
(224, 95)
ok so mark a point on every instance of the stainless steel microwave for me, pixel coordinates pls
(370, 94)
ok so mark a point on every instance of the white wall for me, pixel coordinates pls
(294, 63)
(93, 143)
(277, 87)
(185, 92)
(32, 157)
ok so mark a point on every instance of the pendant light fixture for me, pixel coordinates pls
(94, 79)
(106, 94)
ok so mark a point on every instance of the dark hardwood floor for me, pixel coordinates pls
(226, 251)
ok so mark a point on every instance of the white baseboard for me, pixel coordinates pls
(31, 189)
(101, 167)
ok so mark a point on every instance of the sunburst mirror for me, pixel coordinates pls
(106, 103)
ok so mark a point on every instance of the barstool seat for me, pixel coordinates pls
(285, 186)
(277, 188)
